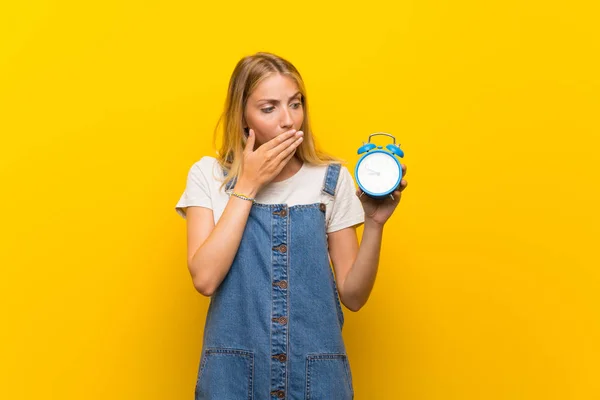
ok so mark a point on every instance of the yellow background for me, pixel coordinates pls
(488, 286)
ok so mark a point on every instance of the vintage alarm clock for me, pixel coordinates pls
(378, 171)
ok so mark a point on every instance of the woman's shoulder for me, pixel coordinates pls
(209, 167)
(322, 168)
(325, 165)
(317, 173)
(206, 162)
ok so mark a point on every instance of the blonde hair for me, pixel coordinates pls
(249, 72)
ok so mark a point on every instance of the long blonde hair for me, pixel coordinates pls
(248, 73)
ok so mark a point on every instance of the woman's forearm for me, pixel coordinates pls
(361, 278)
(213, 259)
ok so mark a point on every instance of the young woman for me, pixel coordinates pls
(266, 218)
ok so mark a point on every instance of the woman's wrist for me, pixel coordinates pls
(246, 188)
(371, 224)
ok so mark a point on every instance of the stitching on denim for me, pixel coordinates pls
(287, 293)
(272, 302)
(308, 378)
(251, 379)
(225, 351)
(311, 358)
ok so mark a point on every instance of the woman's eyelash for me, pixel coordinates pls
(270, 109)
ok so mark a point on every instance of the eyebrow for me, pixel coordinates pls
(277, 101)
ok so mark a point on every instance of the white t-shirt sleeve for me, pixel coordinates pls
(197, 190)
(347, 210)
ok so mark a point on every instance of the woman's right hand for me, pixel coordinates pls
(262, 165)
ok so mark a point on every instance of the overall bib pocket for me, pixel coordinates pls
(225, 374)
(328, 377)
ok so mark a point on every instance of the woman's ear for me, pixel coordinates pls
(245, 126)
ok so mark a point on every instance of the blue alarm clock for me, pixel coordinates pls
(378, 171)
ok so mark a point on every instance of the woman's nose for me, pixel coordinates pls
(286, 119)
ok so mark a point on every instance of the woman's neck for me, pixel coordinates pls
(289, 170)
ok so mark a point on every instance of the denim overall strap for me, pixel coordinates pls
(231, 183)
(331, 178)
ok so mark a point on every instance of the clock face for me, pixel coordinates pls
(378, 173)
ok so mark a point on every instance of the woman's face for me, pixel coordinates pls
(273, 108)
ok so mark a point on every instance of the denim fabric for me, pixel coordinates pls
(274, 325)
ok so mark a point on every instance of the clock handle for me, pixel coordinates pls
(381, 134)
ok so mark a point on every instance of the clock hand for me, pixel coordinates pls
(375, 172)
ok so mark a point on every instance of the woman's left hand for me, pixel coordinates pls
(380, 210)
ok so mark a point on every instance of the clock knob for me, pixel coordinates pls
(395, 149)
(366, 147)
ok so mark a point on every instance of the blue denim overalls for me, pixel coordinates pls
(274, 325)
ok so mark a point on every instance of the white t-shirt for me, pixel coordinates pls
(205, 177)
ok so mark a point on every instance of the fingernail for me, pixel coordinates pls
(300, 133)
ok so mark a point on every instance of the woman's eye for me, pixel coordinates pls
(267, 109)
(296, 105)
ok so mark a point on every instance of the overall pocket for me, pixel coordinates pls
(225, 374)
(328, 377)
